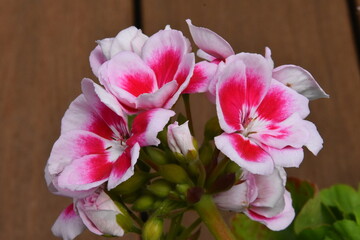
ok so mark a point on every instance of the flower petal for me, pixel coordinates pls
(290, 132)
(129, 39)
(245, 153)
(147, 125)
(106, 105)
(285, 157)
(300, 80)
(68, 225)
(315, 142)
(270, 199)
(123, 168)
(235, 199)
(81, 116)
(105, 45)
(127, 71)
(281, 102)
(203, 73)
(281, 220)
(73, 145)
(210, 42)
(103, 222)
(163, 52)
(96, 59)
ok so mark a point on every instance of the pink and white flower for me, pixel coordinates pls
(262, 118)
(262, 198)
(216, 49)
(96, 145)
(153, 77)
(98, 212)
(180, 139)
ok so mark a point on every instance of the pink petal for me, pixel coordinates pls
(81, 116)
(105, 45)
(159, 98)
(106, 105)
(210, 42)
(280, 221)
(245, 153)
(103, 222)
(235, 199)
(74, 145)
(147, 125)
(290, 132)
(268, 57)
(127, 71)
(123, 168)
(182, 77)
(201, 54)
(163, 52)
(281, 102)
(85, 173)
(300, 80)
(230, 97)
(270, 199)
(96, 58)
(315, 142)
(129, 39)
(285, 157)
(68, 225)
(203, 73)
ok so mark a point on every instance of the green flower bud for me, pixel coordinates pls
(206, 153)
(212, 128)
(153, 229)
(132, 184)
(157, 155)
(233, 167)
(173, 173)
(144, 203)
(125, 222)
(160, 188)
(182, 188)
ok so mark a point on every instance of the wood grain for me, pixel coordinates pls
(44, 55)
(314, 34)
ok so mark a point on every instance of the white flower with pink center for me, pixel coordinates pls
(96, 145)
(262, 119)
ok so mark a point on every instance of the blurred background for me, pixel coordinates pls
(44, 49)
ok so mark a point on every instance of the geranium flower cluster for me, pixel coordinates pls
(122, 150)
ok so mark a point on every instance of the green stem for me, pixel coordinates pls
(212, 218)
(186, 99)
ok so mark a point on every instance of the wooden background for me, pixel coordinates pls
(44, 48)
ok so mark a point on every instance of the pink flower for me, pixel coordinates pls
(262, 198)
(179, 138)
(262, 118)
(216, 49)
(153, 77)
(96, 212)
(96, 145)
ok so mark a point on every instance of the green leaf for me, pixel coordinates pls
(313, 214)
(317, 233)
(348, 230)
(301, 191)
(344, 197)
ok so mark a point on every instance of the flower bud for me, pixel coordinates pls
(180, 139)
(173, 173)
(131, 185)
(157, 155)
(182, 188)
(153, 229)
(212, 128)
(160, 188)
(206, 153)
(144, 203)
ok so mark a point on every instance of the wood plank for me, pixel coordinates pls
(314, 34)
(44, 55)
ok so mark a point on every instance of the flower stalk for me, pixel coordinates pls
(212, 218)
